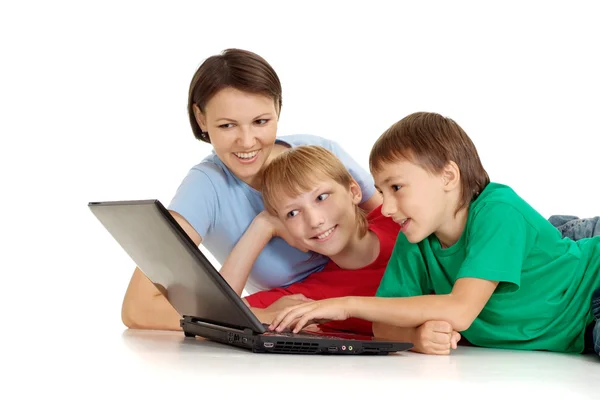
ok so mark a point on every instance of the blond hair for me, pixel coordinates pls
(299, 170)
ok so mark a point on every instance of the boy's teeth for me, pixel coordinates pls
(246, 155)
(325, 234)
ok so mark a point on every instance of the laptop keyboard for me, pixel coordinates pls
(287, 332)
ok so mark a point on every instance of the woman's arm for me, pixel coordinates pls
(144, 305)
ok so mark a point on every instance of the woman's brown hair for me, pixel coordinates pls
(239, 69)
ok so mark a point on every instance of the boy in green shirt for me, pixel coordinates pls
(502, 274)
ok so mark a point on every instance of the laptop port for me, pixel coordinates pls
(332, 348)
(268, 344)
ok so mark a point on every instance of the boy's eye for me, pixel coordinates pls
(261, 121)
(225, 126)
(395, 188)
(292, 213)
(323, 196)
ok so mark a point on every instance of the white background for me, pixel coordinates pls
(93, 107)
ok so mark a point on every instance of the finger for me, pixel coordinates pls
(280, 316)
(441, 338)
(441, 347)
(455, 339)
(295, 313)
(308, 319)
(301, 323)
(436, 349)
(441, 326)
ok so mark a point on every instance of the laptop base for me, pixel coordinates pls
(302, 343)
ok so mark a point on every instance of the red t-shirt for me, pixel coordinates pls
(333, 281)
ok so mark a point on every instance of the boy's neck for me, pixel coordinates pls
(450, 232)
(359, 252)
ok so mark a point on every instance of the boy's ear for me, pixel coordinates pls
(200, 118)
(451, 176)
(356, 192)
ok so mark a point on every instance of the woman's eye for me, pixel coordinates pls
(395, 188)
(323, 196)
(261, 121)
(225, 126)
(292, 213)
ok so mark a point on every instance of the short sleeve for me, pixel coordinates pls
(361, 175)
(496, 247)
(196, 201)
(406, 273)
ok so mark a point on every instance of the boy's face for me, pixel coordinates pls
(413, 197)
(324, 219)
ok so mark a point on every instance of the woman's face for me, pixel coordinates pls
(242, 128)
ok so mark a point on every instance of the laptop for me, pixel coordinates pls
(208, 306)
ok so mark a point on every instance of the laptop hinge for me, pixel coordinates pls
(189, 319)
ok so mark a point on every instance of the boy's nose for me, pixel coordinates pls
(316, 219)
(388, 208)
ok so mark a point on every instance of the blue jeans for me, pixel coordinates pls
(579, 228)
(596, 312)
(576, 228)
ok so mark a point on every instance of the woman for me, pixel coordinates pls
(234, 104)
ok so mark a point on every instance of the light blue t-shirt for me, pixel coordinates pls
(220, 207)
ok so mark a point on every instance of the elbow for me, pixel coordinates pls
(461, 325)
(130, 317)
(127, 317)
(462, 320)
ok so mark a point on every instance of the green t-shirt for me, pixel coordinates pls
(543, 300)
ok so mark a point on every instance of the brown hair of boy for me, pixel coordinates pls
(432, 141)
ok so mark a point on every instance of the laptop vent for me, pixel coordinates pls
(296, 347)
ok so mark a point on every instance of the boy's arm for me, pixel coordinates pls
(433, 337)
(494, 229)
(236, 268)
(391, 332)
(459, 308)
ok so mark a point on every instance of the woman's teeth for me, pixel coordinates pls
(246, 155)
(326, 233)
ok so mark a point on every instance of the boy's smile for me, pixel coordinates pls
(325, 235)
(322, 218)
(419, 201)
